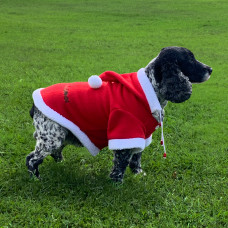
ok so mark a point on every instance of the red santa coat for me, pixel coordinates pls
(117, 115)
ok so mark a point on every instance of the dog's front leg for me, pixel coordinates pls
(121, 161)
(135, 163)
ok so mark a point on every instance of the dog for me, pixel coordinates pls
(135, 102)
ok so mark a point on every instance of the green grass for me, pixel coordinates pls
(44, 42)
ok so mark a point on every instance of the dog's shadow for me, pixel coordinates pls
(82, 182)
(82, 179)
(79, 173)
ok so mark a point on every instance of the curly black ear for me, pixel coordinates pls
(174, 86)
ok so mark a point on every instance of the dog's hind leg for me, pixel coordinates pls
(135, 163)
(57, 154)
(50, 138)
(44, 147)
(34, 159)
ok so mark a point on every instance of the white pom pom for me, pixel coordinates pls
(95, 81)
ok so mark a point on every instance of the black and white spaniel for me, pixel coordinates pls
(168, 77)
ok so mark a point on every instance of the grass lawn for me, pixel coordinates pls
(43, 42)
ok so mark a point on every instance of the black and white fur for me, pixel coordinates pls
(171, 74)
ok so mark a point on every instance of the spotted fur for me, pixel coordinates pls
(51, 138)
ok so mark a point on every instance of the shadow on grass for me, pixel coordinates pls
(83, 179)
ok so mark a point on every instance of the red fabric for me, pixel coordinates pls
(117, 110)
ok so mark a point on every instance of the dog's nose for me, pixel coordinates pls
(210, 70)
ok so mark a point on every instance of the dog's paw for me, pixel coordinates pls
(116, 177)
(137, 171)
(33, 176)
(139, 175)
(32, 166)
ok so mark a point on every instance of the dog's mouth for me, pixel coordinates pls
(204, 79)
(208, 77)
(208, 74)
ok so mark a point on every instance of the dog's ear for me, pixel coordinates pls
(174, 86)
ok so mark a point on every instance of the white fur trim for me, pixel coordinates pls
(53, 115)
(148, 141)
(138, 144)
(149, 91)
(95, 81)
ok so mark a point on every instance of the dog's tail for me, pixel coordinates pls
(31, 112)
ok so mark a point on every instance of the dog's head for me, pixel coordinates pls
(175, 69)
